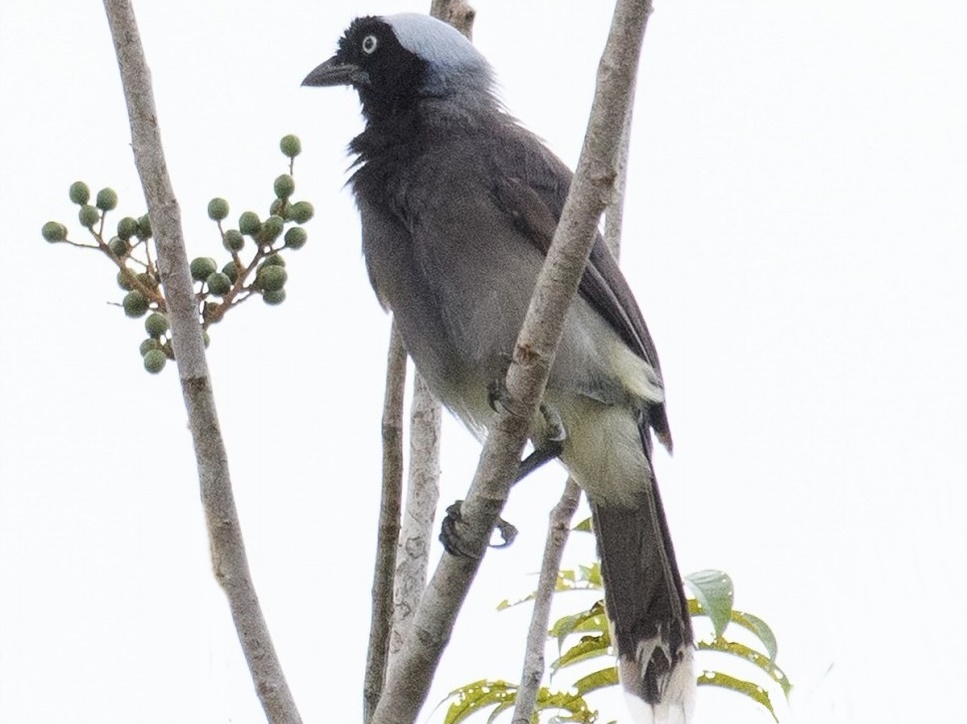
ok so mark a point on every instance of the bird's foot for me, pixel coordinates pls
(550, 446)
(456, 546)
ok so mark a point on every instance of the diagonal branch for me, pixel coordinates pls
(228, 551)
(408, 680)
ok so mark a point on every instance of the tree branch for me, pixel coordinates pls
(408, 680)
(228, 551)
(389, 526)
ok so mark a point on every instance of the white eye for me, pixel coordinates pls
(369, 44)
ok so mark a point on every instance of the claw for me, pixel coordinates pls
(455, 546)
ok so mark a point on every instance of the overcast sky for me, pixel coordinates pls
(795, 235)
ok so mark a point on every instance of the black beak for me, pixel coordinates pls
(334, 72)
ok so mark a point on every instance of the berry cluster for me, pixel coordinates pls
(262, 273)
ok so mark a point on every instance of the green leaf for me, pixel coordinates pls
(714, 592)
(477, 696)
(747, 688)
(752, 656)
(760, 628)
(584, 526)
(589, 647)
(593, 619)
(598, 680)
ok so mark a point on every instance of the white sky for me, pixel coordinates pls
(795, 234)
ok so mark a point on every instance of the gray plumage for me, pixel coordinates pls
(458, 206)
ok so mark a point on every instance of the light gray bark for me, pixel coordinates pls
(227, 549)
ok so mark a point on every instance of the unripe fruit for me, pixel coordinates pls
(135, 304)
(219, 283)
(118, 246)
(124, 280)
(274, 260)
(155, 361)
(271, 278)
(274, 297)
(231, 271)
(249, 224)
(127, 227)
(284, 186)
(217, 209)
(291, 146)
(148, 280)
(54, 231)
(201, 267)
(206, 340)
(88, 215)
(156, 324)
(148, 345)
(144, 228)
(271, 229)
(233, 240)
(79, 193)
(107, 199)
(295, 238)
(276, 208)
(301, 212)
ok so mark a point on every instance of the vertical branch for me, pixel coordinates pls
(228, 551)
(558, 529)
(389, 526)
(422, 494)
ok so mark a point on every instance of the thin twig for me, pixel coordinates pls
(558, 529)
(381, 622)
(228, 552)
(408, 680)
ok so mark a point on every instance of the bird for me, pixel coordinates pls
(458, 204)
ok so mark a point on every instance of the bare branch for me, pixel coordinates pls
(228, 551)
(389, 526)
(458, 13)
(558, 529)
(409, 678)
(422, 494)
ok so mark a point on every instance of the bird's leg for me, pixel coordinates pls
(549, 448)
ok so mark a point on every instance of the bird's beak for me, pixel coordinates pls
(334, 72)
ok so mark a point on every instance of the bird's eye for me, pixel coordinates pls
(369, 44)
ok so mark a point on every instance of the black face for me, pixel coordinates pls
(387, 76)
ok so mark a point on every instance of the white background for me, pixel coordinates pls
(795, 234)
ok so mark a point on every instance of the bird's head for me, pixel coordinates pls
(395, 60)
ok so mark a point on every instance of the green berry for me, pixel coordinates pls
(219, 283)
(135, 304)
(127, 227)
(148, 280)
(301, 212)
(148, 345)
(107, 199)
(124, 280)
(79, 193)
(277, 207)
(233, 240)
(271, 278)
(249, 224)
(274, 297)
(118, 246)
(231, 271)
(88, 215)
(284, 186)
(217, 209)
(144, 228)
(155, 361)
(273, 260)
(156, 324)
(271, 229)
(206, 340)
(291, 146)
(54, 231)
(295, 238)
(201, 267)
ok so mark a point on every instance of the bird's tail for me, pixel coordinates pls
(647, 608)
